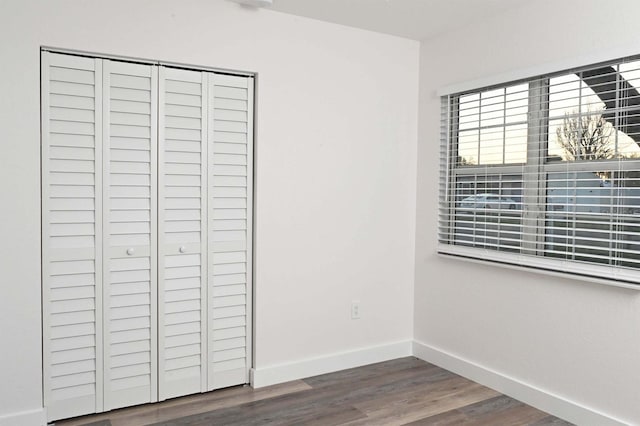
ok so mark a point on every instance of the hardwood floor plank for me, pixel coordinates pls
(405, 395)
(331, 415)
(100, 423)
(448, 418)
(250, 415)
(337, 415)
(503, 408)
(367, 378)
(352, 375)
(498, 410)
(429, 404)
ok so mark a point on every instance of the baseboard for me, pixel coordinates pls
(280, 373)
(25, 418)
(541, 399)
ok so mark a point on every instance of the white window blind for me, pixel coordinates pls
(545, 172)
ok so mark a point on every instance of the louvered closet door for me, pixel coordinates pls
(71, 235)
(182, 235)
(130, 228)
(146, 232)
(229, 230)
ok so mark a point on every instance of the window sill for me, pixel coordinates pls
(617, 277)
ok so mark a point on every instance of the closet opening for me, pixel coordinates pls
(147, 212)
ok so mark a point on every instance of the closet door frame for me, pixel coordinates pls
(101, 147)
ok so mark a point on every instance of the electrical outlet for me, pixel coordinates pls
(355, 310)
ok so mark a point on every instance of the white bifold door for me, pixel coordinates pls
(146, 233)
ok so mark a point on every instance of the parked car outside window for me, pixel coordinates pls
(488, 201)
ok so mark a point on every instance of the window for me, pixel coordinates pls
(546, 172)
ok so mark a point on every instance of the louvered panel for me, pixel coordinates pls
(180, 329)
(229, 268)
(132, 336)
(71, 166)
(72, 305)
(130, 359)
(222, 280)
(182, 295)
(67, 179)
(72, 241)
(229, 367)
(231, 170)
(71, 235)
(59, 319)
(228, 344)
(130, 318)
(183, 283)
(229, 311)
(71, 293)
(229, 333)
(130, 270)
(133, 382)
(130, 288)
(182, 189)
(229, 231)
(229, 290)
(233, 322)
(181, 318)
(71, 367)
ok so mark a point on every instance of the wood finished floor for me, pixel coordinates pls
(405, 391)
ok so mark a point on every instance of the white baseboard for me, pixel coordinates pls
(24, 418)
(280, 373)
(543, 400)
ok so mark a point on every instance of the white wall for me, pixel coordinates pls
(576, 340)
(337, 141)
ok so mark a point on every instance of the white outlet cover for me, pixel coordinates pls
(355, 310)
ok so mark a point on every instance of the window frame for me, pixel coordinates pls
(533, 202)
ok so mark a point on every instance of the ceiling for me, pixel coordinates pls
(416, 19)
